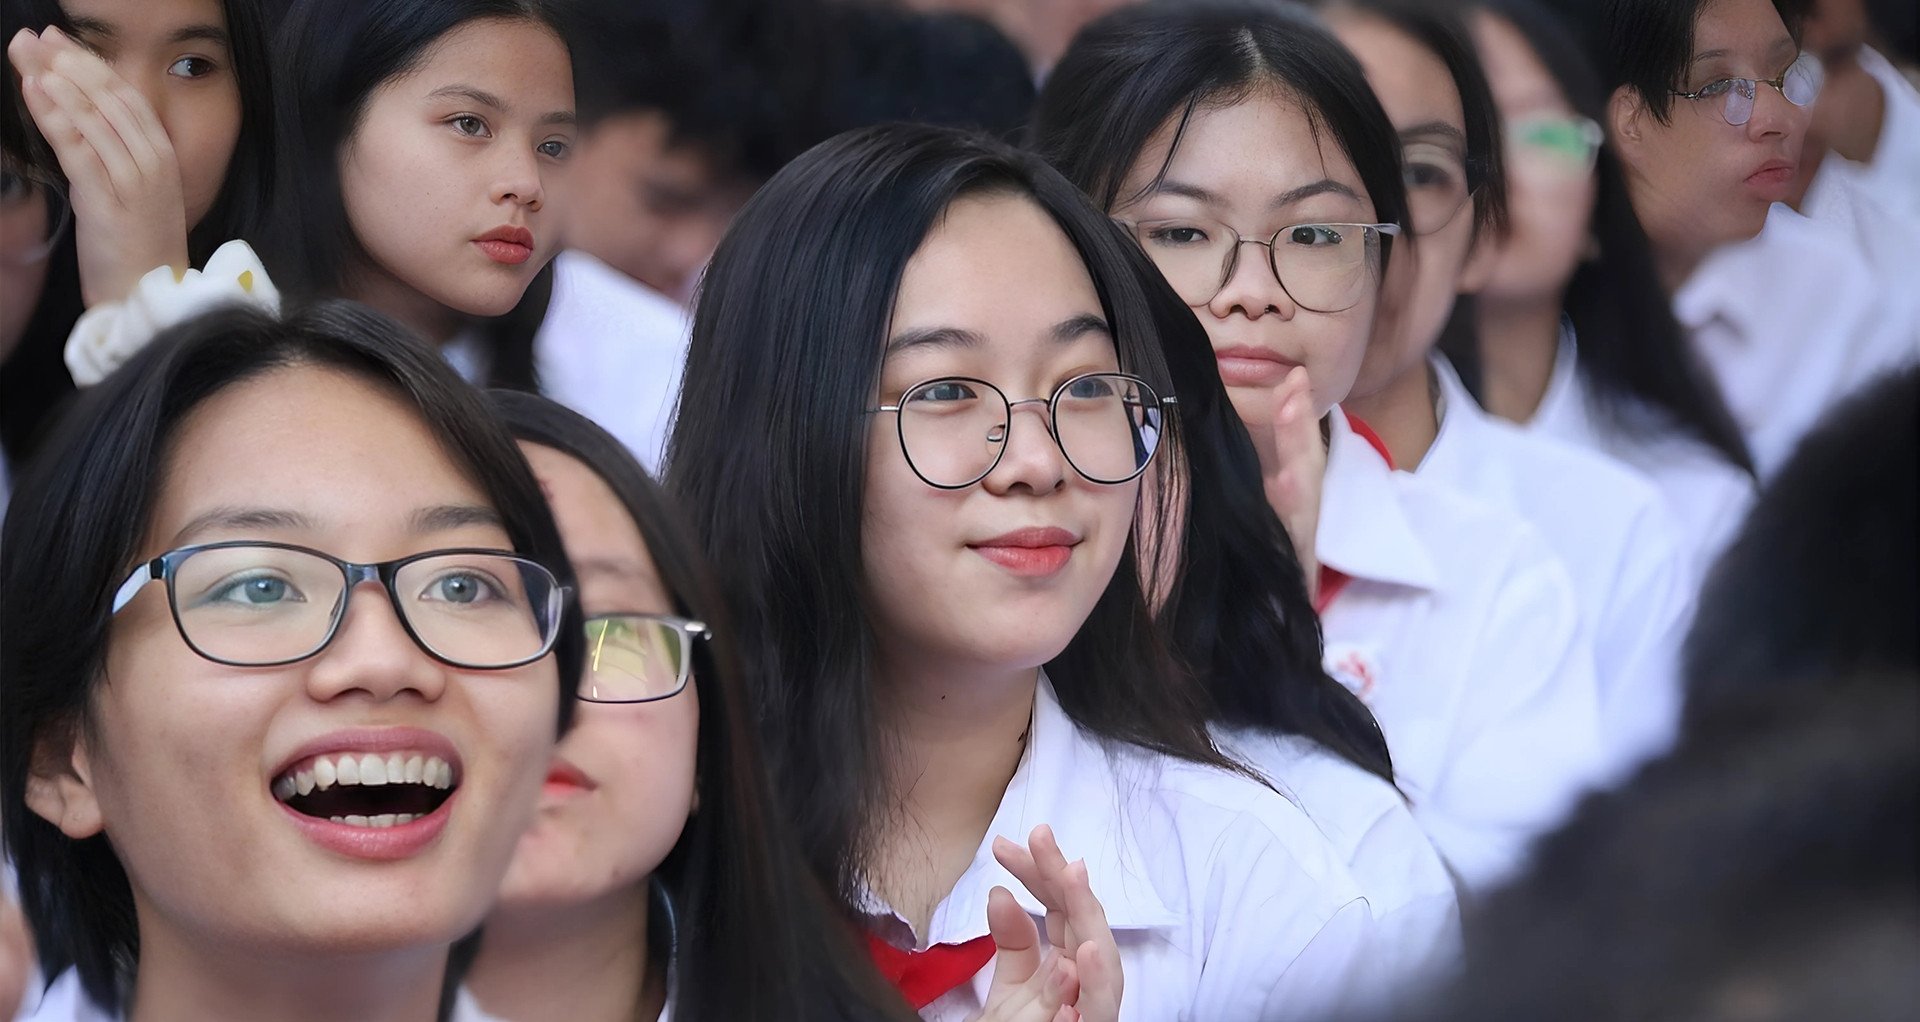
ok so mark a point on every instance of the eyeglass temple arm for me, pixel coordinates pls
(131, 587)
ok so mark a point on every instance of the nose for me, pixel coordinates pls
(1252, 289)
(1774, 115)
(1031, 459)
(373, 653)
(519, 181)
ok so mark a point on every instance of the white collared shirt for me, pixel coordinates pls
(1707, 496)
(67, 1001)
(1611, 529)
(1461, 631)
(1790, 323)
(1228, 905)
(1415, 908)
(1893, 175)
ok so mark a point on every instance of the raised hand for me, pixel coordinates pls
(1031, 981)
(128, 203)
(1076, 923)
(1299, 469)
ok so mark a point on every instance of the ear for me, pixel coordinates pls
(1478, 269)
(60, 784)
(1627, 115)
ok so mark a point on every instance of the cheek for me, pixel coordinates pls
(397, 203)
(204, 129)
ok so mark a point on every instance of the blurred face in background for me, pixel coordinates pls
(1851, 107)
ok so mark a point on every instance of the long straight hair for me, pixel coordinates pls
(786, 349)
(34, 381)
(75, 526)
(757, 937)
(1239, 613)
(334, 55)
(1633, 354)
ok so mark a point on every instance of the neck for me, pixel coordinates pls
(1402, 414)
(431, 320)
(584, 963)
(957, 739)
(1519, 343)
(180, 983)
(1675, 260)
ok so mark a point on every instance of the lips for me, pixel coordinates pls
(564, 780)
(1773, 180)
(1248, 366)
(379, 794)
(508, 245)
(1029, 553)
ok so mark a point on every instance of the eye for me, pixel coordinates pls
(1177, 234)
(1314, 235)
(556, 148)
(470, 126)
(192, 67)
(255, 591)
(943, 392)
(1092, 388)
(463, 587)
(1716, 88)
(1428, 175)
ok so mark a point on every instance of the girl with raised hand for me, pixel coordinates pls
(1239, 145)
(1606, 521)
(288, 647)
(949, 371)
(1572, 335)
(151, 124)
(657, 877)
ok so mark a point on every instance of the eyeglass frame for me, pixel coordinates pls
(690, 630)
(1053, 425)
(1233, 261)
(166, 566)
(1752, 90)
(1589, 130)
(60, 214)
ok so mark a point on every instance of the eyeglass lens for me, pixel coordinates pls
(1323, 267)
(633, 658)
(953, 430)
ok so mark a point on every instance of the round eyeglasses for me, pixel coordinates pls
(638, 658)
(953, 430)
(1800, 83)
(1322, 267)
(256, 604)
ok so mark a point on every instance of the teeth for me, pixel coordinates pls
(348, 770)
(373, 771)
(303, 782)
(283, 789)
(384, 820)
(398, 768)
(324, 775)
(412, 772)
(356, 820)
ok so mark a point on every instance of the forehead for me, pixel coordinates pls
(594, 523)
(997, 264)
(522, 61)
(1412, 82)
(1247, 151)
(144, 21)
(1734, 29)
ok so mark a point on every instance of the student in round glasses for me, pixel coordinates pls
(938, 537)
(658, 876)
(1571, 332)
(1447, 617)
(286, 659)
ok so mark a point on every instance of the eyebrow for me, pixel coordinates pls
(1433, 129)
(488, 99)
(1072, 329)
(200, 33)
(1324, 186)
(447, 517)
(625, 568)
(1065, 332)
(242, 519)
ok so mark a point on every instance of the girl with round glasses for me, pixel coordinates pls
(1448, 618)
(286, 658)
(1571, 333)
(657, 877)
(947, 621)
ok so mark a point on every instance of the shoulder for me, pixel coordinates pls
(1478, 547)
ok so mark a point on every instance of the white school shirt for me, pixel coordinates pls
(66, 1001)
(1707, 496)
(1893, 174)
(1611, 529)
(1416, 910)
(1460, 630)
(1226, 902)
(609, 348)
(1791, 322)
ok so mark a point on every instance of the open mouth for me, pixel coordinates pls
(374, 790)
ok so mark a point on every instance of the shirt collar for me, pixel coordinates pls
(1364, 531)
(1722, 287)
(1067, 780)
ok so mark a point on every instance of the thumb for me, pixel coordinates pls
(1016, 941)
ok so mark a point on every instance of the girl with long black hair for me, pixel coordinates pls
(951, 373)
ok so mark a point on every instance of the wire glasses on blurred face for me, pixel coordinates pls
(1800, 83)
(953, 429)
(1562, 145)
(255, 604)
(1322, 267)
(32, 215)
(638, 658)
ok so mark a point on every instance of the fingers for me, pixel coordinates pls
(82, 117)
(81, 164)
(1098, 967)
(1040, 999)
(1016, 941)
(1043, 882)
(122, 105)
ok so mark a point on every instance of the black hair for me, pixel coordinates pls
(1647, 45)
(74, 528)
(928, 68)
(34, 381)
(1820, 582)
(1633, 353)
(337, 54)
(1896, 26)
(756, 933)
(1239, 614)
(802, 288)
(1762, 872)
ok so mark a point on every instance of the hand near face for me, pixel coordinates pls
(1299, 469)
(128, 201)
(1077, 931)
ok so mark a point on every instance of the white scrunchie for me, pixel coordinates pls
(110, 333)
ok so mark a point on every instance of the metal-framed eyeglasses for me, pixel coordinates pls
(1323, 267)
(638, 658)
(249, 603)
(953, 429)
(1800, 83)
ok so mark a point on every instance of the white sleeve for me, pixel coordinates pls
(110, 333)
